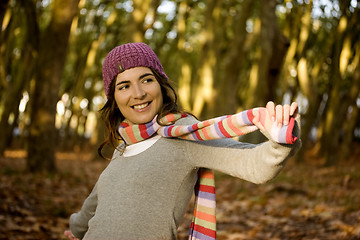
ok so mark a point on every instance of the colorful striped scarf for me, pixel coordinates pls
(203, 224)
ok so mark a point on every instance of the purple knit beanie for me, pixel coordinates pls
(128, 56)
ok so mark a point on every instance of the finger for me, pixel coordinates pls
(256, 120)
(279, 115)
(69, 234)
(270, 106)
(294, 109)
(286, 114)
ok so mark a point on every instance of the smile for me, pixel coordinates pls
(141, 106)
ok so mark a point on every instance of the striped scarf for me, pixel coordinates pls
(203, 224)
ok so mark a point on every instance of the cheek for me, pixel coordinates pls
(120, 100)
(159, 95)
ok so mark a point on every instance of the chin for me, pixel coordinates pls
(143, 120)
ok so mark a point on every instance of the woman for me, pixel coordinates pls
(144, 191)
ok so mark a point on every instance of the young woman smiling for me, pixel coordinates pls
(163, 156)
(138, 95)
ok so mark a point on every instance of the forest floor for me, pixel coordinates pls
(306, 201)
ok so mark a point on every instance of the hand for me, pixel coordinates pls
(281, 114)
(69, 234)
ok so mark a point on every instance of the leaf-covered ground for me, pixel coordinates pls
(305, 201)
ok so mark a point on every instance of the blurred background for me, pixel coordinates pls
(222, 56)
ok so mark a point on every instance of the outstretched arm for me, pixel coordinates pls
(256, 163)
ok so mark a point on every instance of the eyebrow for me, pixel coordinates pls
(141, 77)
(145, 75)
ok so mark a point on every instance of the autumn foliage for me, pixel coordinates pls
(304, 202)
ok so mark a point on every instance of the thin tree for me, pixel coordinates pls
(52, 54)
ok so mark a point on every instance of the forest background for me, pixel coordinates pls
(222, 56)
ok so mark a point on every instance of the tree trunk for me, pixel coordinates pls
(308, 77)
(229, 88)
(264, 73)
(298, 28)
(260, 72)
(3, 7)
(204, 93)
(349, 123)
(52, 55)
(136, 21)
(185, 68)
(6, 39)
(13, 99)
(340, 97)
(336, 109)
(22, 76)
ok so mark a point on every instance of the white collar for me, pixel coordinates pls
(139, 147)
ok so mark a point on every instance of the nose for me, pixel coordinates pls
(138, 92)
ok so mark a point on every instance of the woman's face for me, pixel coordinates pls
(138, 95)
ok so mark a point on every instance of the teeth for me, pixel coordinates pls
(141, 106)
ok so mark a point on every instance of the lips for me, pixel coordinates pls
(141, 107)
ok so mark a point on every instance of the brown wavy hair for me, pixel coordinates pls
(112, 116)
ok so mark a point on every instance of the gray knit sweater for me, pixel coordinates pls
(145, 196)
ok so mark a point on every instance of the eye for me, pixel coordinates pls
(123, 87)
(148, 80)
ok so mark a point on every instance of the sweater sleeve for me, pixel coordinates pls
(257, 163)
(79, 221)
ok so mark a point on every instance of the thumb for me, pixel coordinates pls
(256, 120)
